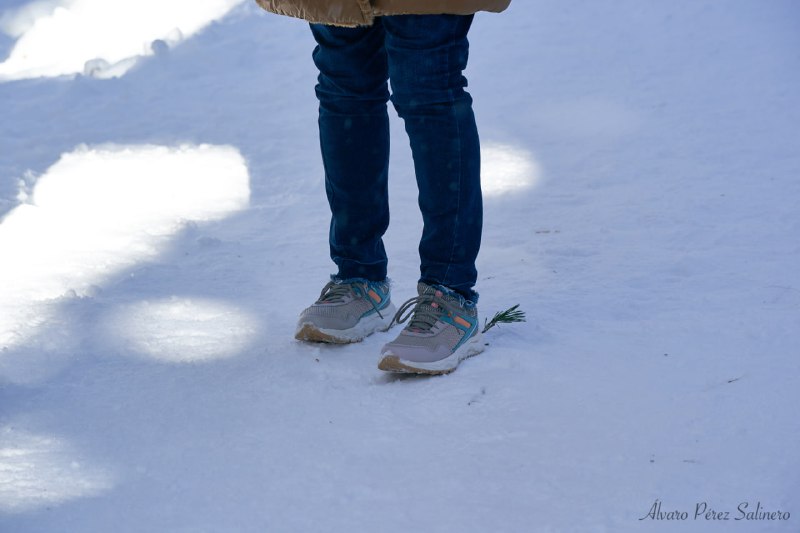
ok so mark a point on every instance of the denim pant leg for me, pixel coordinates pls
(427, 55)
(354, 138)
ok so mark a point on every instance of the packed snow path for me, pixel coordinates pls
(164, 222)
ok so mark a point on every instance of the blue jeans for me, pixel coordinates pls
(423, 56)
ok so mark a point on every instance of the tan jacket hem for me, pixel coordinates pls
(363, 12)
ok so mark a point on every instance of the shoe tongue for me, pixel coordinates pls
(423, 289)
(338, 293)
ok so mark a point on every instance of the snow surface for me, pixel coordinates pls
(98, 37)
(163, 226)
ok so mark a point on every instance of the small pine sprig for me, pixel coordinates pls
(508, 316)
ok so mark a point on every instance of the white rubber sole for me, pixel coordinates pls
(365, 327)
(393, 363)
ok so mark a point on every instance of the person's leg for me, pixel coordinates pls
(427, 55)
(354, 139)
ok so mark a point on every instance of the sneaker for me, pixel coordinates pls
(347, 311)
(442, 331)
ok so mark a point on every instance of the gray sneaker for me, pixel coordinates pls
(347, 311)
(442, 331)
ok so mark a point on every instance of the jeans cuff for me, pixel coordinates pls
(337, 279)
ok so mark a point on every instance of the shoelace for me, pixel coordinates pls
(334, 292)
(427, 308)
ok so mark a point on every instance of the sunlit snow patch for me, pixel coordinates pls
(182, 330)
(506, 169)
(38, 471)
(101, 38)
(98, 211)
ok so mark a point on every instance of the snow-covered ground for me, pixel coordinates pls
(164, 222)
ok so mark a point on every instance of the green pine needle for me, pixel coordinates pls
(508, 316)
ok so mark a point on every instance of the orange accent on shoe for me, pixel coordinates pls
(462, 322)
(374, 295)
